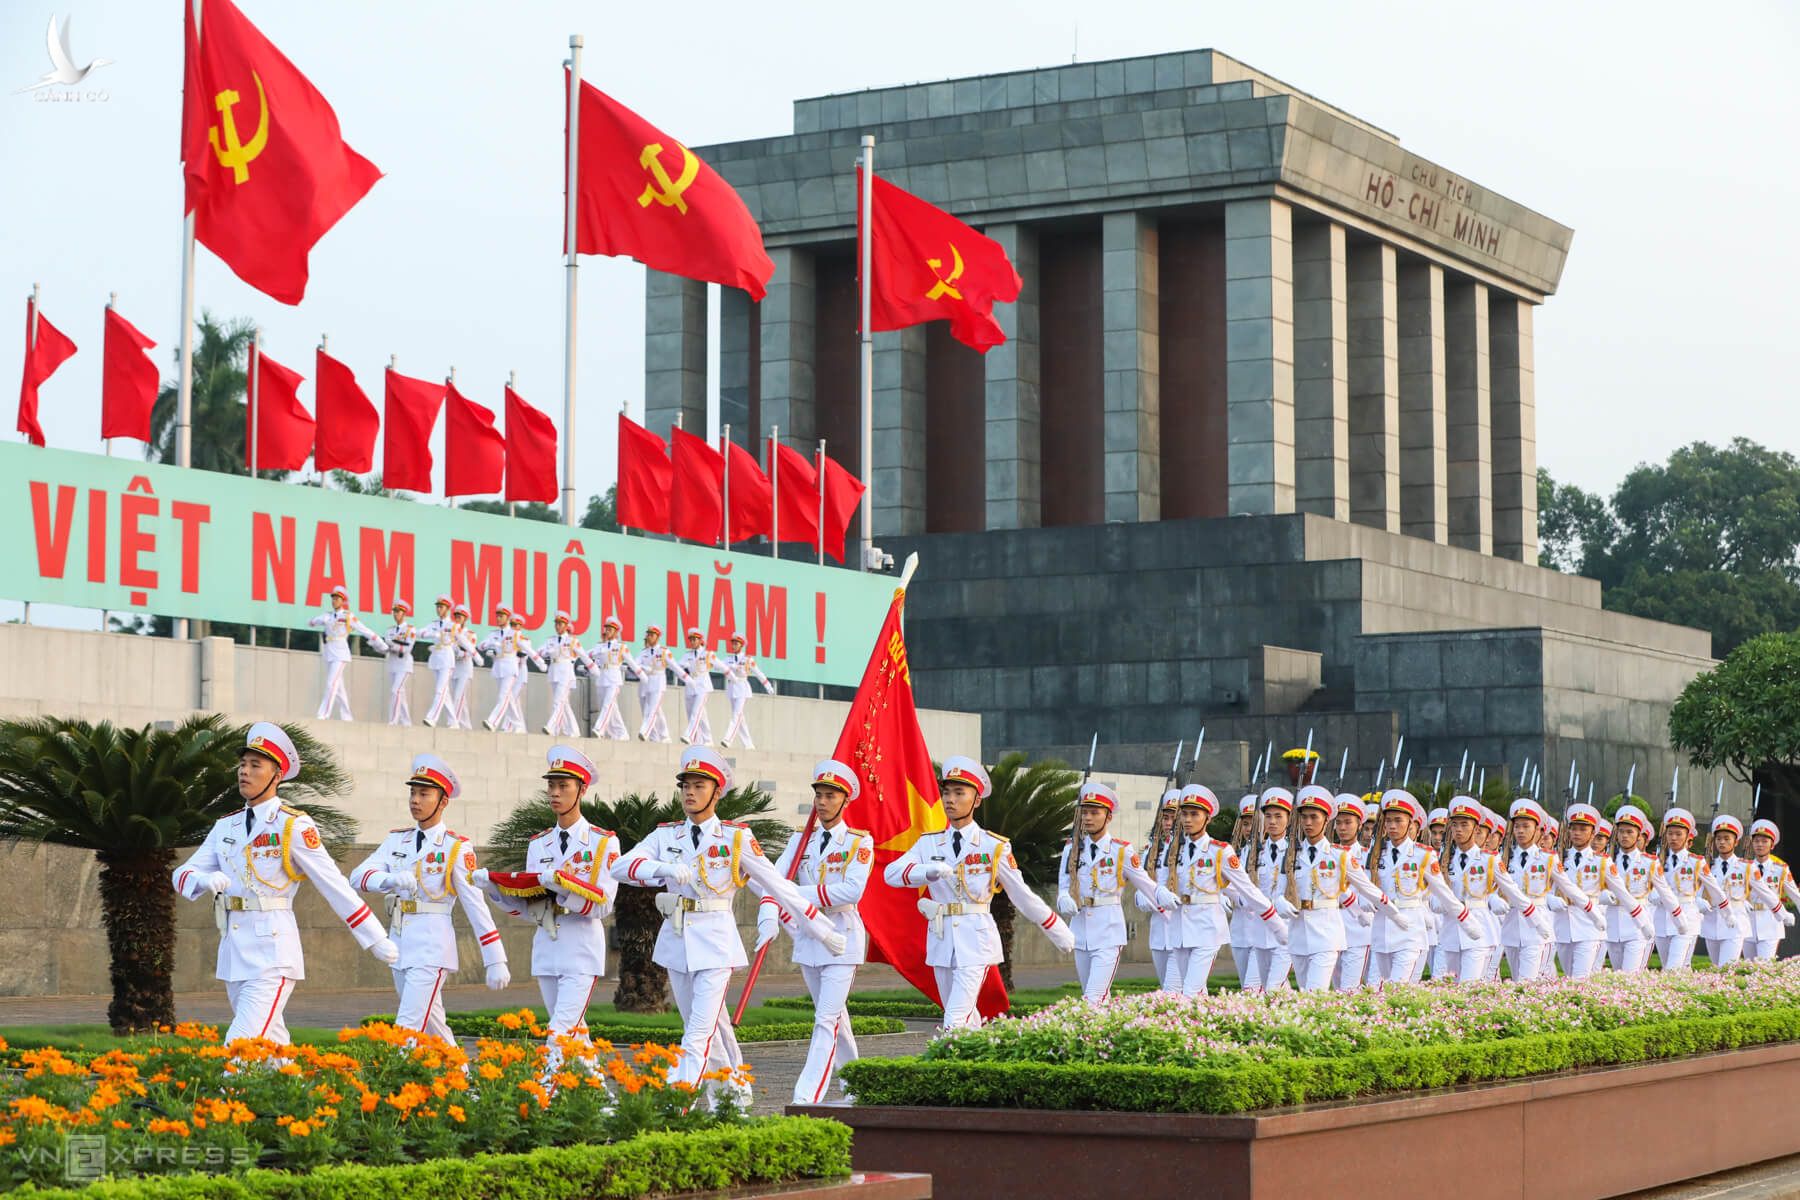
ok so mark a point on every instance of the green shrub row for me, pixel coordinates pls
(482, 1025)
(909, 1010)
(774, 1150)
(1249, 1085)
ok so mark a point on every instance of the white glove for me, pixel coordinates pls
(479, 876)
(498, 977)
(1595, 917)
(766, 929)
(1060, 937)
(1471, 928)
(1546, 928)
(834, 943)
(1398, 917)
(1279, 928)
(1166, 899)
(403, 886)
(218, 883)
(937, 870)
(927, 907)
(1286, 908)
(550, 883)
(770, 687)
(676, 873)
(1498, 906)
(1787, 917)
(386, 951)
(1364, 916)
(1065, 904)
(1646, 923)
(1555, 903)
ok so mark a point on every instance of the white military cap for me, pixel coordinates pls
(833, 773)
(273, 743)
(432, 770)
(960, 768)
(707, 763)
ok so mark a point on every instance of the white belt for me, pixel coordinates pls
(838, 908)
(413, 907)
(1406, 902)
(676, 908)
(1198, 898)
(935, 913)
(256, 903)
(1098, 902)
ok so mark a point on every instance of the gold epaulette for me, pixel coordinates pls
(293, 812)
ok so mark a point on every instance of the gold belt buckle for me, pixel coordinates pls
(409, 906)
(1306, 905)
(688, 904)
(234, 903)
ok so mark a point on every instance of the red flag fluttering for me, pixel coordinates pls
(474, 451)
(646, 478)
(276, 423)
(267, 171)
(412, 409)
(843, 492)
(348, 422)
(530, 453)
(752, 502)
(797, 496)
(696, 510)
(45, 350)
(127, 380)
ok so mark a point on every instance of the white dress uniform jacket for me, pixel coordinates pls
(834, 871)
(1694, 886)
(1104, 866)
(1203, 873)
(960, 930)
(570, 938)
(1641, 876)
(1409, 876)
(1775, 875)
(1320, 896)
(437, 865)
(335, 630)
(439, 637)
(1595, 875)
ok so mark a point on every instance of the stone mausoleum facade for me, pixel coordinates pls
(1260, 450)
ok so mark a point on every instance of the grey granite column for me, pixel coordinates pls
(1374, 352)
(735, 331)
(1259, 355)
(1014, 450)
(1469, 414)
(1131, 358)
(899, 429)
(788, 336)
(1321, 371)
(674, 353)
(1424, 454)
(1515, 427)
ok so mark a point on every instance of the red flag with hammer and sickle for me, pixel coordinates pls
(642, 194)
(267, 172)
(928, 266)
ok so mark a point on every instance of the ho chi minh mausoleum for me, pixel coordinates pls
(1259, 453)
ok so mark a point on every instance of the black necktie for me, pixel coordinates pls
(564, 835)
(1191, 847)
(1518, 858)
(956, 842)
(420, 844)
(249, 819)
(1462, 860)
(1392, 854)
(1090, 852)
(824, 837)
(694, 835)
(1312, 852)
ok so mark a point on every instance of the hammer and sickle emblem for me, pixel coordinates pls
(943, 285)
(666, 191)
(235, 154)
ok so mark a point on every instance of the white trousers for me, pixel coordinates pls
(655, 727)
(566, 1000)
(1762, 948)
(1351, 966)
(609, 722)
(1267, 969)
(421, 992)
(1529, 962)
(698, 726)
(739, 728)
(707, 1042)
(399, 703)
(335, 691)
(1393, 966)
(1460, 966)
(441, 702)
(1195, 968)
(1628, 957)
(1159, 964)
(960, 987)
(259, 1007)
(459, 697)
(1492, 974)
(508, 714)
(1095, 969)
(1724, 950)
(833, 1044)
(1314, 972)
(562, 715)
(1578, 959)
(1419, 963)
(1675, 951)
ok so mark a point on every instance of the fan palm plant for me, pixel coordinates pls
(134, 797)
(643, 986)
(1033, 806)
(216, 438)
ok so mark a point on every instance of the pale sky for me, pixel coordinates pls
(1660, 132)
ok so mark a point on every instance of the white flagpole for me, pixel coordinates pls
(569, 270)
(725, 489)
(449, 382)
(112, 302)
(255, 356)
(774, 492)
(821, 529)
(868, 346)
(184, 386)
(512, 381)
(31, 335)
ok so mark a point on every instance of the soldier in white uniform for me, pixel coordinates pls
(1265, 968)
(1353, 960)
(697, 666)
(738, 668)
(702, 861)
(1161, 921)
(961, 868)
(1769, 921)
(609, 663)
(652, 665)
(510, 645)
(1578, 942)
(834, 866)
(1317, 884)
(1693, 885)
(560, 652)
(503, 669)
(1479, 880)
(1243, 841)
(423, 870)
(439, 636)
(566, 890)
(400, 641)
(335, 631)
(468, 657)
(250, 866)
(1411, 878)
(1727, 926)
(1629, 934)
(1091, 894)
(1203, 874)
(1538, 875)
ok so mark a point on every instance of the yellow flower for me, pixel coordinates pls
(159, 1125)
(299, 1129)
(8, 1137)
(490, 1072)
(510, 1021)
(456, 1113)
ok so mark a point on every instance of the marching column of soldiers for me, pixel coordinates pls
(1335, 891)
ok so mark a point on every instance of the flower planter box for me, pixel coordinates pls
(1498, 1142)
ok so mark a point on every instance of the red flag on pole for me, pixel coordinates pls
(843, 492)
(642, 194)
(127, 380)
(752, 504)
(283, 429)
(348, 422)
(474, 451)
(899, 803)
(646, 478)
(530, 452)
(412, 409)
(925, 265)
(267, 171)
(696, 509)
(798, 496)
(45, 350)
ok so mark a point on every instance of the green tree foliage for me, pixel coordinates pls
(216, 441)
(1743, 716)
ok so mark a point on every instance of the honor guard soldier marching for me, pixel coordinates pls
(1353, 960)
(1090, 893)
(738, 668)
(250, 865)
(1693, 885)
(1202, 874)
(1410, 877)
(697, 666)
(439, 637)
(609, 663)
(1579, 942)
(1537, 873)
(702, 861)
(467, 657)
(560, 652)
(566, 890)
(1265, 967)
(835, 868)
(1156, 861)
(1477, 879)
(400, 641)
(1768, 921)
(1629, 935)
(1318, 883)
(1243, 842)
(336, 628)
(510, 648)
(423, 870)
(652, 665)
(961, 868)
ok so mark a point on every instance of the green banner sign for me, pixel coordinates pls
(119, 534)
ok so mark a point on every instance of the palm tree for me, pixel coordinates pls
(135, 797)
(1033, 807)
(216, 442)
(643, 986)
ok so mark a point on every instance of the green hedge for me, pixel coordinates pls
(1250, 1085)
(480, 1025)
(774, 1150)
(909, 1010)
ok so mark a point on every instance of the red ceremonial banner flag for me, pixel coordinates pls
(127, 380)
(642, 194)
(752, 502)
(50, 351)
(283, 428)
(412, 409)
(899, 804)
(843, 492)
(348, 422)
(474, 450)
(797, 496)
(925, 265)
(267, 171)
(530, 453)
(646, 477)
(696, 508)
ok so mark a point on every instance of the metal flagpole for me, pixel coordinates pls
(868, 347)
(569, 269)
(112, 302)
(774, 491)
(821, 531)
(255, 356)
(725, 486)
(512, 381)
(184, 386)
(31, 335)
(449, 380)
